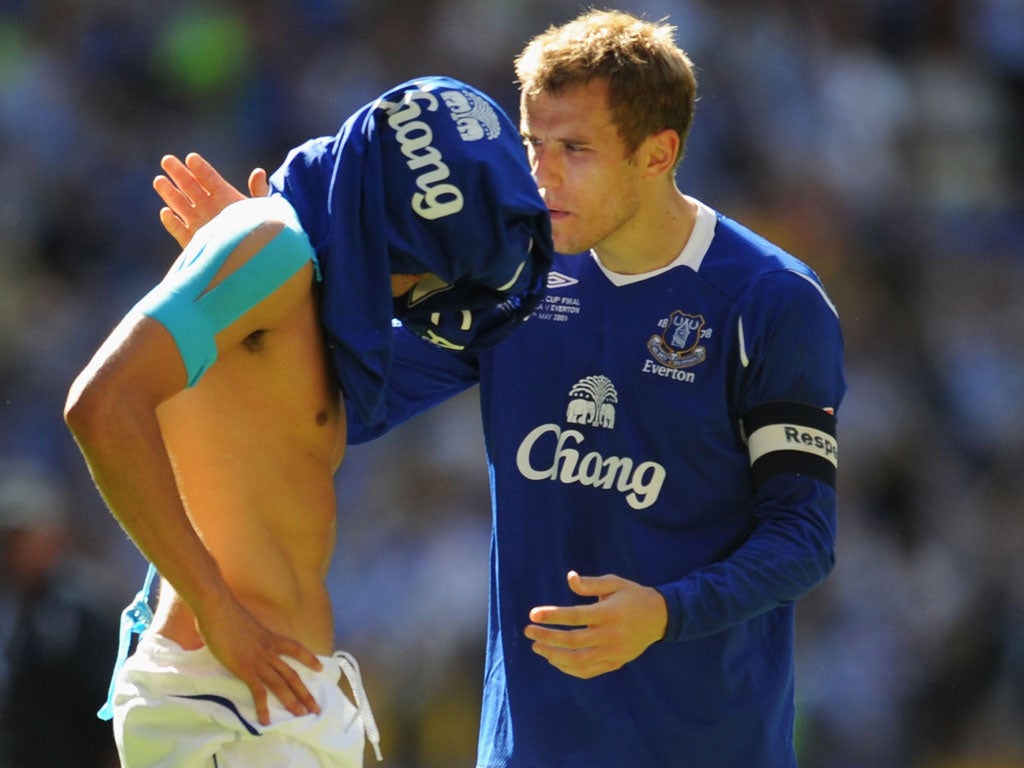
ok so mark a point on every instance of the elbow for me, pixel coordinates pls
(103, 406)
(79, 408)
(826, 564)
(820, 557)
(88, 407)
(818, 563)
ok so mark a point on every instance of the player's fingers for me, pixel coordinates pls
(573, 639)
(185, 179)
(297, 691)
(583, 664)
(171, 165)
(568, 616)
(593, 586)
(172, 196)
(199, 165)
(258, 184)
(292, 692)
(175, 227)
(575, 663)
(259, 697)
(213, 183)
(284, 646)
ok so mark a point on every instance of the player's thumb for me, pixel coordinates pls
(258, 184)
(592, 586)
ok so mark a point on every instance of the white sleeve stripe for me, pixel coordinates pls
(744, 360)
(820, 290)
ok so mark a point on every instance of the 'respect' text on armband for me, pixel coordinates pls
(791, 438)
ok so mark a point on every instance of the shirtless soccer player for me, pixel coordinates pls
(212, 424)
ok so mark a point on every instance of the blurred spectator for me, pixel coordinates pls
(57, 645)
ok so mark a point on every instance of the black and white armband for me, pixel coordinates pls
(791, 438)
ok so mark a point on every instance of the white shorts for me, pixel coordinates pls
(183, 709)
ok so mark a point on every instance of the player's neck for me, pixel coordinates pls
(652, 239)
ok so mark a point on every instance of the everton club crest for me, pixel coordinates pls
(678, 345)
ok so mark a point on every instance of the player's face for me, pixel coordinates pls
(587, 180)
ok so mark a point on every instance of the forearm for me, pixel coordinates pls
(421, 377)
(119, 437)
(788, 554)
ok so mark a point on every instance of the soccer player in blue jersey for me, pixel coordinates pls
(660, 435)
(212, 423)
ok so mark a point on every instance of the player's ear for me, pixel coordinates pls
(659, 151)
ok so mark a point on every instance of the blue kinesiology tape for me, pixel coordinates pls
(193, 312)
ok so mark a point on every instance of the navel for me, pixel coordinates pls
(322, 418)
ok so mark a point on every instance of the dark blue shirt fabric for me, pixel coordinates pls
(431, 177)
(614, 426)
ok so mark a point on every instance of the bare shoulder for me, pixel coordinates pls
(257, 242)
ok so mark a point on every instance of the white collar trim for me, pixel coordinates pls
(691, 256)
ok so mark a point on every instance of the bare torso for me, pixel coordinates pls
(254, 446)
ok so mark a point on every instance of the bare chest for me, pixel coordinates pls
(269, 407)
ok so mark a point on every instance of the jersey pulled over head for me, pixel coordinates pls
(430, 178)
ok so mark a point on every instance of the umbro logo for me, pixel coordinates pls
(558, 280)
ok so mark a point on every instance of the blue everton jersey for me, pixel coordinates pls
(675, 429)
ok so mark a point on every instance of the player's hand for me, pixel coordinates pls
(194, 192)
(625, 620)
(253, 654)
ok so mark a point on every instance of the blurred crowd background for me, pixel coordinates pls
(882, 141)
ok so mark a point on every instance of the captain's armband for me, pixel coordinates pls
(791, 438)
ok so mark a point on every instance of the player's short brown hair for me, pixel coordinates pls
(652, 85)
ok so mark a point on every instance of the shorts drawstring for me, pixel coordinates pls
(350, 667)
(135, 619)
